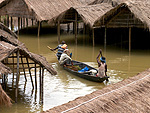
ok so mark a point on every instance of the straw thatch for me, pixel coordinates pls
(5, 100)
(36, 9)
(128, 96)
(139, 10)
(7, 49)
(87, 14)
(4, 69)
(100, 1)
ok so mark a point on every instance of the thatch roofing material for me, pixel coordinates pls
(7, 49)
(101, 1)
(128, 96)
(139, 9)
(4, 69)
(88, 14)
(5, 100)
(36, 9)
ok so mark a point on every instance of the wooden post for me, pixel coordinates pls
(23, 22)
(13, 71)
(27, 22)
(76, 17)
(11, 21)
(23, 69)
(93, 38)
(17, 78)
(58, 31)
(129, 39)
(8, 21)
(32, 21)
(39, 28)
(35, 78)
(18, 24)
(42, 84)
(30, 73)
(105, 38)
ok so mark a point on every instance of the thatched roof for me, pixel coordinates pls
(100, 1)
(128, 96)
(36, 9)
(139, 9)
(4, 69)
(87, 14)
(7, 49)
(5, 100)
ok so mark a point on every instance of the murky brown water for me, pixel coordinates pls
(65, 87)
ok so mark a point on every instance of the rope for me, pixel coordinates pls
(103, 95)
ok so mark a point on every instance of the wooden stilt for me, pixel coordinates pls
(17, 78)
(93, 37)
(105, 38)
(27, 22)
(18, 24)
(58, 32)
(39, 28)
(76, 17)
(32, 21)
(42, 84)
(7, 20)
(30, 73)
(13, 71)
(23, 69)
(21, 23)
(129, 39)
(35, 79)
(11, 20)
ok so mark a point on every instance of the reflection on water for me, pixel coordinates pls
(64, 86)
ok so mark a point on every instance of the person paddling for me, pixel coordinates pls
(102, 66)
(61, 47)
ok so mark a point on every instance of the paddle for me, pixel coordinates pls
(51, 49)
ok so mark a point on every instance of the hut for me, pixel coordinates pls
(128, 96)
(133, 14)
(16, 56)
(39, 10)
(85, 14)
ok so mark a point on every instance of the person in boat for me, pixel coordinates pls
(65, 58)
(61, 47)
(102, 66)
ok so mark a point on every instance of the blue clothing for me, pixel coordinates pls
(60, 50)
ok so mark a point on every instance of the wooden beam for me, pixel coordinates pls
(35, 79)
(58, 32)
(23, 68)
(42, 84)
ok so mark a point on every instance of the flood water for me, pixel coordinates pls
(64, 87)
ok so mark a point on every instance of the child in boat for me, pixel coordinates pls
(102, 66)
(65, 58)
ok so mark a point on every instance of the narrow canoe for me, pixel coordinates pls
(88, 75)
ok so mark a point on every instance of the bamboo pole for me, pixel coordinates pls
(42, 84)
(58, 32)
(18, 25)
(11, 21)
(105, 38)
(35, 79)
(30, 73)
(23, 69)
(76, 15)
(93, 37)
(129, 39)
(17, 78)
(39, 28)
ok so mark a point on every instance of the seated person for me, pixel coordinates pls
(65, 58)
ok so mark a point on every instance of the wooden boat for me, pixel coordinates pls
(88, 75)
